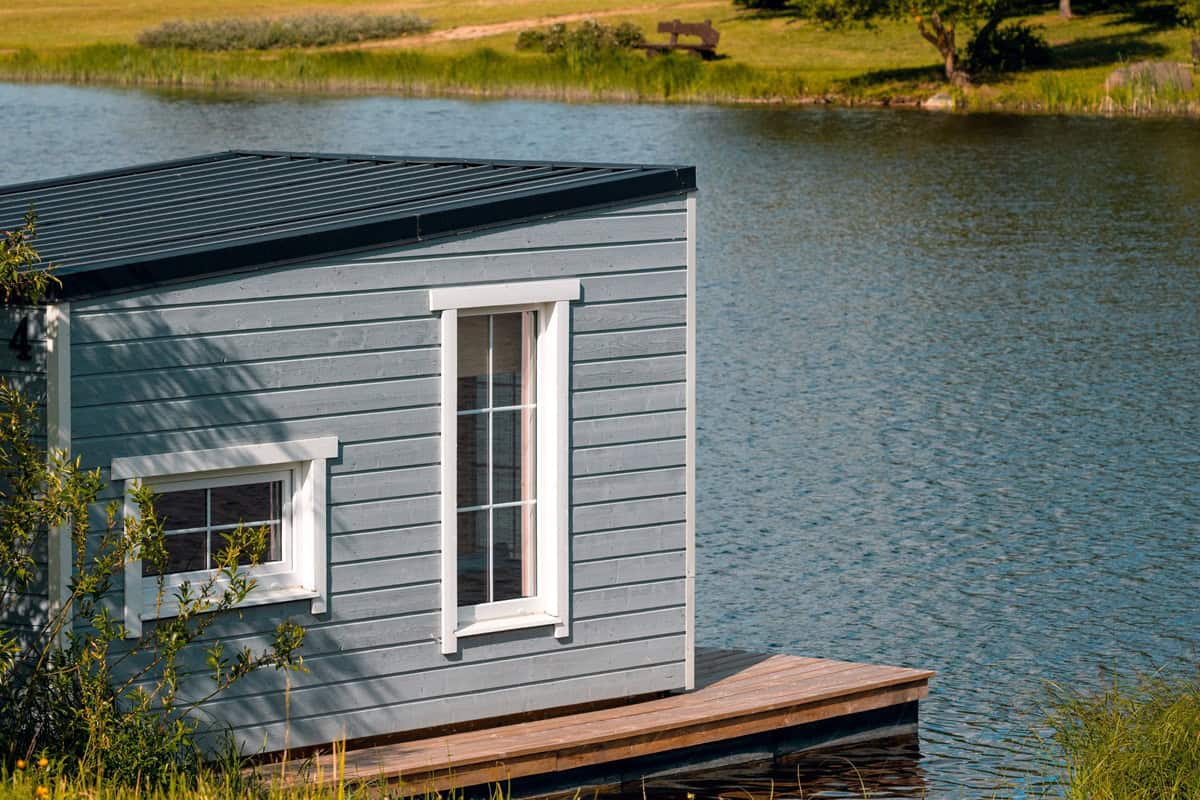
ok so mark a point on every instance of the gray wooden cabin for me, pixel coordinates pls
(459, 394)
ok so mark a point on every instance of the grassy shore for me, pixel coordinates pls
(1132, 742)
(768, 58)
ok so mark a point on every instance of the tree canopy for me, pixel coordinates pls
(938, 21)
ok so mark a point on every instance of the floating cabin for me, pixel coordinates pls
(460, 395)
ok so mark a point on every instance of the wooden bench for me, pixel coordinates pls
(707, 49)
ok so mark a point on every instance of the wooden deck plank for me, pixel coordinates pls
(558, 730)
(740, 694)
(583, 732)
(586, 731)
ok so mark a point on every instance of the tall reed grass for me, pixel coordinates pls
(571, 75)
(1131, 742)
(309, 30)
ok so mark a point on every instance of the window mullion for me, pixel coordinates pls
(208, 528)
(491, 467)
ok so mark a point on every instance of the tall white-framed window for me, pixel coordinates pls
(202, 495)
(505, 379)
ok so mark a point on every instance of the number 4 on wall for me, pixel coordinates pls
(19, 343)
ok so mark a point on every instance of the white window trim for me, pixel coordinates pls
(302, 574)
(551, 604)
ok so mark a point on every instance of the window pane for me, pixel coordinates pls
(272, 550)
(185, 552)
(247, 502)
(513, 552)
(512, 359)
(507, 453)
(472, 558)
(472, 363)
(182, 509)
(472, 460)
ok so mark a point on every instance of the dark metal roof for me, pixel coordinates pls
(156, 223)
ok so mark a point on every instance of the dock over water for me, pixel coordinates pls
(745, 705)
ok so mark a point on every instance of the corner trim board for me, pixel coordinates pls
(689, 639)
(58, 437)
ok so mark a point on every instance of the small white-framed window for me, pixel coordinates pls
(204, 494)
(505, 379)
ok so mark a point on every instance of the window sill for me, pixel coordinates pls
(258, 597)
(513, 623)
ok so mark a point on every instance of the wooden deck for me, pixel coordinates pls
(738, 694)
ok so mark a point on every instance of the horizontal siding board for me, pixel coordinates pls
(543, 264)
(384, 485)
(628, 400)
(628, 429)
(620, 316)
(627, 514)
(628, 344)
(636, 286)
(260, 312)
(629, 372)
(152, 416)
(609, 600)
(106, 357)
(620, 458)
(387, 572)
(348, 547)
(632, 569)
(628, 542)
(628, 485)
(391, 453)
(384, 514)
(175, 383)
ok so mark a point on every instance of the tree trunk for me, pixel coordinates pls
(1196, 52)
(941, 36)
(1064, 9)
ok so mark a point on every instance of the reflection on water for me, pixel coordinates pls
(881, 769)
(948, 381)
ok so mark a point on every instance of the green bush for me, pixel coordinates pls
(312, 30)
(1007, 48)
(762, 5)
(70, 684)
(589, 37)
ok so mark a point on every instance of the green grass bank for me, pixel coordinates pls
(618, 76)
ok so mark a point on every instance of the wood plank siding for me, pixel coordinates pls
(738, 695)
(347, 347)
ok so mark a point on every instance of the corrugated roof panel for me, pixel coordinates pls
(150, 224)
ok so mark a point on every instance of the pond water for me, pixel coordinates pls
(949, 382)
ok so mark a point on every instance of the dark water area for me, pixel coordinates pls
(949, 384)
